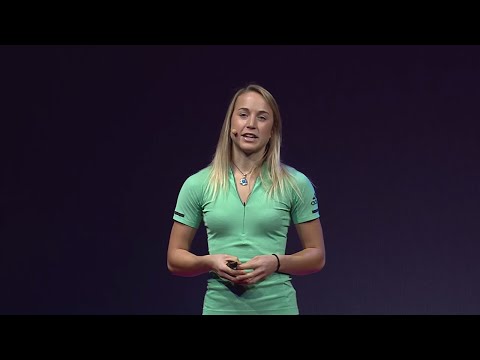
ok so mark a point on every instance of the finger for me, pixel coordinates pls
(238, 273)
(244, 277)
(244, 266)
(248, 281)
(229, 277)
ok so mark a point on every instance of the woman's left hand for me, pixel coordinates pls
(258, 268)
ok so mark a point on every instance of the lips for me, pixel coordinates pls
(250, 135)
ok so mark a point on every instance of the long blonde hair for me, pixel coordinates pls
(276, 177)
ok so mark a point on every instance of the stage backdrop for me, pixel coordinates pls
(97, 140)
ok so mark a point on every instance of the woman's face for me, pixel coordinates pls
(252, 119)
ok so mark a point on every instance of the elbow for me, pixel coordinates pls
(175, 270)
(320, 263)
(173, 263)
(171, 267)
(176, 267)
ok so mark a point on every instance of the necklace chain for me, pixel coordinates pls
(244, 175)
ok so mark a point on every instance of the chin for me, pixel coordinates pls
(251, 149)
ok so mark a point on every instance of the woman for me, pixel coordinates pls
(247, 199)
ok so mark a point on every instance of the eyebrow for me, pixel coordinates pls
(260, 112)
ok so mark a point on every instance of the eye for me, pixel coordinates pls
(242, 115)
(262, 117)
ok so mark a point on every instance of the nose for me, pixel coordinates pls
(251, 122)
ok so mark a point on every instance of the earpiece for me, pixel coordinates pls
(234, 132)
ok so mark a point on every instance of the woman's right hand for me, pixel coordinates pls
(219, 265)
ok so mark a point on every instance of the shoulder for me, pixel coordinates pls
(199, 178)
(299, 176)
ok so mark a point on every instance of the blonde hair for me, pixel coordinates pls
(276, 177)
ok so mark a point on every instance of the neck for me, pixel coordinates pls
(246, 162)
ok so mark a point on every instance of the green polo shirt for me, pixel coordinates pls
(258, 227)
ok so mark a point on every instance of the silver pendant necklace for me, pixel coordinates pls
(243, 181)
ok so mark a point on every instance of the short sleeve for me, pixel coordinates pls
(188, 209)
(305, 207)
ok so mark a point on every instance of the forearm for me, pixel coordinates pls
(304, 262)
(183, 263)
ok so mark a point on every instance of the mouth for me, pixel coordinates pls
(249, 136)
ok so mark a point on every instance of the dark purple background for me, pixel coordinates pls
(96, 142)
